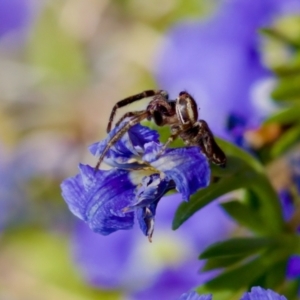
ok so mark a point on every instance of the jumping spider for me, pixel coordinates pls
(180, 114)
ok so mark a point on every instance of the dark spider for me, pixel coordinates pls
(180, 114)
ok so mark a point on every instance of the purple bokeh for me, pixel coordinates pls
(218, 60)
(126, 261)
(14, 15)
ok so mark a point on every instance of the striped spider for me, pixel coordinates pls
(180, 114)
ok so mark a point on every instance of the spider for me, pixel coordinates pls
(180, 114)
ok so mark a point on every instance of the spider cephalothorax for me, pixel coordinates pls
(180, 114)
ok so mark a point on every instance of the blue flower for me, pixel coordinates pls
(257, 293)
(14, 15)
(193, 295)
(163, 271)
(108, 200)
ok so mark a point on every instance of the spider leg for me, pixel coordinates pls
(209, 146)
(128, 115)
(135, 120)
(176, 131)
(131, 99)
(168, 142)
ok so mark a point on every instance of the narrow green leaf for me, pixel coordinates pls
(288, 88)
(276, 274)
(287, 70)
(288, 139)
(238, 277)
(222, 262)
(207, 195)
(232, 150)
(245, 215)
(237, 246)
(285, 116)
(234, 164)
(281, 36)
(246, 274)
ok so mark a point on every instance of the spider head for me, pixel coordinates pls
(186, 108)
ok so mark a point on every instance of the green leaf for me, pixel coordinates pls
(270, 208)
(285, 116)
(222, 262)
(237, 246)
(245, 215)
(239, 277)
(276, 274)
(281, 36)
(232, 150)
(287, 139)
(288, 88)
(251, 271)
(288, 70)
(207, 195)
(234, 164)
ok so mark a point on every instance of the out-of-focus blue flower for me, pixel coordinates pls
(257, 293)
(193, 295)
(162, 270)
(108, 200)
(218, 60)
(14, 172)
(14, 15)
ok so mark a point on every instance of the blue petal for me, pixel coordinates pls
(258, 293)
(141, 135)
(145, 216)
(187, 167)
(193, 295)
(153, 188)
(98, 198)
(75, 196)
(125, 152)
(293, 267)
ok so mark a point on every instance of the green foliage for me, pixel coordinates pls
(244, 172)
(237, 247)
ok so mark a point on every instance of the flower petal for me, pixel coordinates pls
(293, 267)
(75, 196)
(193, 295)
(258, 293)
(145, 216)
(98, 198)
(152, 189)
(179, 165)
(125, 152)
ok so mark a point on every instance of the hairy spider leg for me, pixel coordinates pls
(135, 120)
(209, 146)
(128, 115)
(176, 130)
(131, 99)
